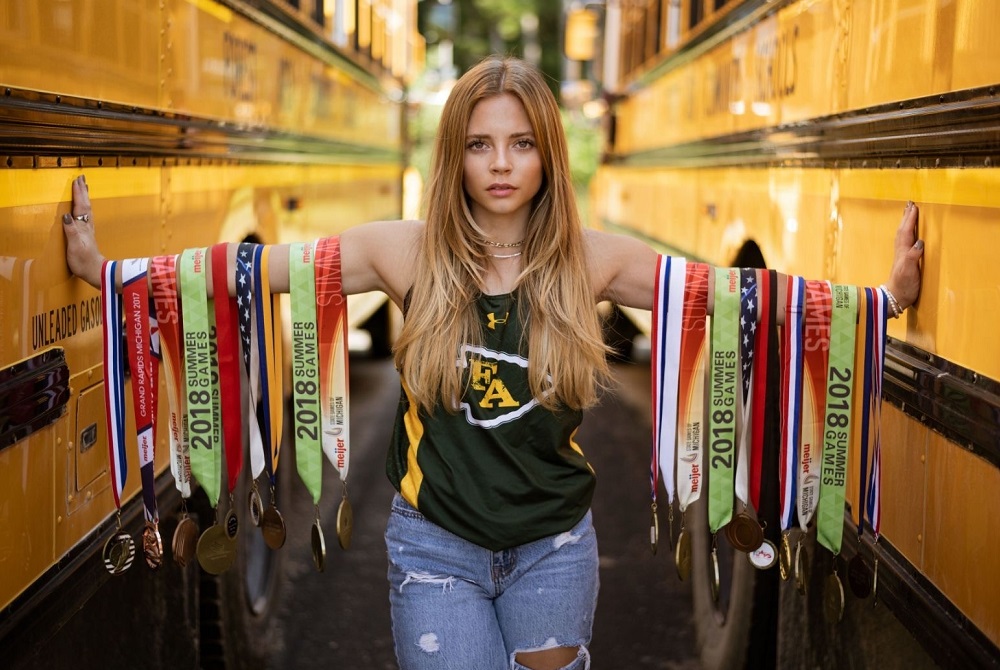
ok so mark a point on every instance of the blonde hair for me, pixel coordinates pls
(567, 361)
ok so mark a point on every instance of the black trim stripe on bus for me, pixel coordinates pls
(37, 125)
(955, 129)
(33, 394)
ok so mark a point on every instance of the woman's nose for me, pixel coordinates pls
(500, 163)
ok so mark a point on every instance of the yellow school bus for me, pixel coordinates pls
(195, 122)
(789, 134)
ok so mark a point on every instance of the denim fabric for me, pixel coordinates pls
(458, 606)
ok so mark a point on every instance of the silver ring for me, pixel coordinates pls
(83, 217)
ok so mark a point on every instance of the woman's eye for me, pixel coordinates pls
(477, 144)
(524, 144)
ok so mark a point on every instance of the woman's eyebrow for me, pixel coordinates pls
(483, 136)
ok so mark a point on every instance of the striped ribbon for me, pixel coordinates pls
(251, 364)
(114, 379)
(269, 352)
(666, 351)
(791, 399)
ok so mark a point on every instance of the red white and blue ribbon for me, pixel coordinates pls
(791, 399)
(114, 379)
(878, 316)
(748, 337)
(251, 361)
(666, 352)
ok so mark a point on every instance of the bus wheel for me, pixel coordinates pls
(723, 624)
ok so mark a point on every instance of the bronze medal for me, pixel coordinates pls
(345, 523)
(318, 546)
(185, 540)
(744, 533)
(764, 556)
(859, 577)
(256, 506)
(119, 551)
(232, 525)
(715, 575)
(152, 545)
(654, 531)
(682, 556)
(785, 558)
(801, 568)
(216, 552)
(272, 527)
(833, 599)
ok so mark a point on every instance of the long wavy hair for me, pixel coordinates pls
(555, 298)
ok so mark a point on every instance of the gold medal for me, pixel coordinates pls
(764, 556)
(654, 531)
(256, 505)
(152, 545)
(801, 568)
(318, 546)
(744, 533)
(715, 574)
(216, 552)
(185, 540)
(859, 577)
(119, 551)
(875, 582)
(345, 522)
(833, 598)
(232, 525)
(785, 558)
(272, 527)
(682, 556)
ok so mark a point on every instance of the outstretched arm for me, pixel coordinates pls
(624, 267)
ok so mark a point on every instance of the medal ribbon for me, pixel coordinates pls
(748, 337)
(246, 317)
(691, 387)
(227, 339)
(791, 398)
(163, 277)
(114, 379)
(305, 370)
(816, 357)
(331, 315)
(766, 307)
(722, 407)
(135, 296)
(880, 315)
(202, 420)
(269, 352)
(839, 405)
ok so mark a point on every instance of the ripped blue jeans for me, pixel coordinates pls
(458, 606)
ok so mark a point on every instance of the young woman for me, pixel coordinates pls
(493, 558)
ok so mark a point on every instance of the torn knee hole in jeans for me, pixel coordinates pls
(578, 650)
(446, 583)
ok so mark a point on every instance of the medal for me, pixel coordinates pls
(272, 527)
(744, 533)
(216, 551)
(255, 504)
(232, 524)
(785, 558)
(345, 522)
(875, 582)
(801, 568)
(654, 530)
(318, 545)
(185, 540)
(715, 574)
(682, 556)
(764, 556)
(152, 545)
(118, 553)
(833, 598)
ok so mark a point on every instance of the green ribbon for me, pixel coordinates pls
(200, 391)
(305, 367)
(837, 419)
(723, 370)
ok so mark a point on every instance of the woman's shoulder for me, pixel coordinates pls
(381, 255)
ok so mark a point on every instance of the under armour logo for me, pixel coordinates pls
(494, 320)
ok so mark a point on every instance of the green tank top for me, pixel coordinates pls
(501, 471)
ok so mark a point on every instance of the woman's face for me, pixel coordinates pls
(503, 168)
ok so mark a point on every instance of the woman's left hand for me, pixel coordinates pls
(904, 278)
(82, 255)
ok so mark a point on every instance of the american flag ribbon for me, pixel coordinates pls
(748, 337)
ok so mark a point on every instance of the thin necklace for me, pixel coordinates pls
(504, 245)
(505, 255)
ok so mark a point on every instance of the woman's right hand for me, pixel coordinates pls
(82, 255)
